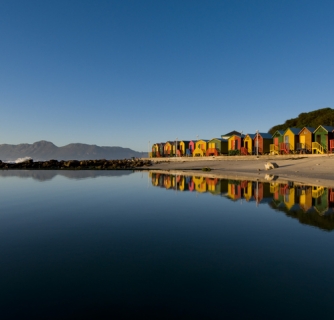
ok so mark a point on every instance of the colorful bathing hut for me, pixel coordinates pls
(234, 144)
(200, 148)
(261, 142)
(305, 140)
(322, 139)
(247, 148)
(228, 135)
(216, 147)
(168, 149)
(277, 140)
(182, 150)
(191, 148)
(290, 140)
(158, 150)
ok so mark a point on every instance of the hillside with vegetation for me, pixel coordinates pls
(308, 119)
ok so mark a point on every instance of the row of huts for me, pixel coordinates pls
(293, 140)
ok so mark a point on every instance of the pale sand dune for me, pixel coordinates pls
(313, 170)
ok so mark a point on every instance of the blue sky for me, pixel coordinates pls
(128, 72)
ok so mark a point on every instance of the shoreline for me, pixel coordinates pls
(315, 170)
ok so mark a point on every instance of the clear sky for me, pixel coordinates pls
(122, 73)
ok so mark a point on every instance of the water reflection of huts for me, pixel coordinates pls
(291, 198)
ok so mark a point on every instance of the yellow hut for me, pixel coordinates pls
(200, 148)
(182, 148)
(305, 140)
(290, 140)
(247, 147)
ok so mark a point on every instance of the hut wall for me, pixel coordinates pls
(306, 137)
(266, 145)
(248, 143)
(292, 139)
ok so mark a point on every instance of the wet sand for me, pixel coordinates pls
(311, 170)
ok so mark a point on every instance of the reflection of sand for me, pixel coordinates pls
(318, 170)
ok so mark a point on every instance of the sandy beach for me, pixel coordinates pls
(305, 169)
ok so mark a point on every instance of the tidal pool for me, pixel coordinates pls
(89, 244)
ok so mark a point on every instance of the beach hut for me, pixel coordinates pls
(216, 147)
(247, 147)
(168, 149)
(200, 148)
(234, 144)
(305, 140)
(228, 135)
(277, 139)
(191, 148)
(331, 144)
(156, 150)
(161, 148)
(262, 142)
(322, 137)
(290, 140)
(182, 149)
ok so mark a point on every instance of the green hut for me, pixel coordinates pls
(322, 135)
(277, 139)
(216, 147)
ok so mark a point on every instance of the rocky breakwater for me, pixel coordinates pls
(102, 164)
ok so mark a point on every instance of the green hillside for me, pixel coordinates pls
(308, 119)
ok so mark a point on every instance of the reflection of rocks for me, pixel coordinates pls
(78, 165)
(46, 175)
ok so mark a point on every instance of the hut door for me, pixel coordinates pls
(236, 145)
(319, 138)
(246, 145)
(276, 141)
(302, 141)
(286, 139)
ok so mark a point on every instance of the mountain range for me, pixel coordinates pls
(45, 150)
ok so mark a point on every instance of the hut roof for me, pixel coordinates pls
(220, 139)
(311, 129)
(327, 128)
(251, 135)
(265, 135)
(237, 135)
(293, 130)
(281, 132)
(232, 133)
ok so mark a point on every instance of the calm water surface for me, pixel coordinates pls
(92, 244)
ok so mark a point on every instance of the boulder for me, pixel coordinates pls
(270, 165)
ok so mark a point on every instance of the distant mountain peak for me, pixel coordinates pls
(46, 150)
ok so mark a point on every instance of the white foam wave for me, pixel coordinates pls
(19, 160)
